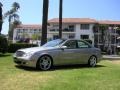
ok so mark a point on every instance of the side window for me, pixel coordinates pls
(82, 44)
(70, 44)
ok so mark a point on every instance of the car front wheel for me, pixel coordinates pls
(92, 61)
(45, 63)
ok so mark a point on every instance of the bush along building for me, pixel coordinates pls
(106, 36)
(103, 34)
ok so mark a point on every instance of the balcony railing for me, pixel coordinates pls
(64, 30)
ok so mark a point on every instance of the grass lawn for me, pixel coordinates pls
(106, 76)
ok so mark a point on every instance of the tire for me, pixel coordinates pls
(44, 63)
(92, 61)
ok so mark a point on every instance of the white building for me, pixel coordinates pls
(26, 31)
(78, 28)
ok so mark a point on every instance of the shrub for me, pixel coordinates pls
(14, 47)
(3, 44)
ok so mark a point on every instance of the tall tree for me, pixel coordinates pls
(44, 21)
(13, 18)
(1, 21)
(60, 18)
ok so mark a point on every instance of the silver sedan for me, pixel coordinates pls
(58, 52)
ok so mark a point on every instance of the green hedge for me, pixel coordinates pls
(14, 47)
(3, 44)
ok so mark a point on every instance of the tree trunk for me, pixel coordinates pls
(0, 19)
(60, 18)
(10, 28)
(44, 21)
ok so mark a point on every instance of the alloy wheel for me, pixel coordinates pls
(45, 63)
(92, 61)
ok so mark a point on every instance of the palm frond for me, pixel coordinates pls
(1, 4)
(15, 6)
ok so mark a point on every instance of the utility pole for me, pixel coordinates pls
(44, 21)
(1, 21)
(60, 18)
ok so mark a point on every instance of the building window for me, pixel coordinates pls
(35, 30)
(52, 30)
(85, 26)
(21, 31)
(40, 30)
(71, 28)
(71, 36)
(18, 31)
(66, 29)
(30, 31)
(26, 30)
(84, 36)
(56, 26)
(55, 37)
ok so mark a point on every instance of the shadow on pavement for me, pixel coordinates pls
(76, 67)
(26, 68)
(67, 67)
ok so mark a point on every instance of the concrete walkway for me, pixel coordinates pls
(111, 57)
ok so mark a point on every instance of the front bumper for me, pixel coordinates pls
(23, 62)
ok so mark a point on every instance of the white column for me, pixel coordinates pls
(14, 35)
(92, 33)
(77, 31)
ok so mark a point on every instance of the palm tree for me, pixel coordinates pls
(0, 17)
(44, 21)
(11, 28)
(13, 17)
(60, 18)
(15, 6)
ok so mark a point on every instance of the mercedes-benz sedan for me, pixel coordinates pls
(58, 52)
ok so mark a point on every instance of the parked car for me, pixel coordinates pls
(58, 52)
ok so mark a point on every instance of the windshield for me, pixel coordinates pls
(53, 43)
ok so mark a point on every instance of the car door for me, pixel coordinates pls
(68, 55)
(83, 52)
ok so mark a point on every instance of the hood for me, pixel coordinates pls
(35, 49)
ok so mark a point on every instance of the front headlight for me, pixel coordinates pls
(28, 54)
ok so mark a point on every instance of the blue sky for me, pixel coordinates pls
(31, 10)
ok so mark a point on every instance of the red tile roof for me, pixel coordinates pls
(109, 22)
(84, 20)
(73, 20)
(69, 21)
(31, 26)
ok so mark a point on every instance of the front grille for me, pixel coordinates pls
(18, 62)
(19, 53)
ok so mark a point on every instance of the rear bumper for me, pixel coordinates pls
(23, 62)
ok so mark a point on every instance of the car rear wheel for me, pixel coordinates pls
(45, 63)
(92, 61)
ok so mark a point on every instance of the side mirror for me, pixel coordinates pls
(63, 47)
